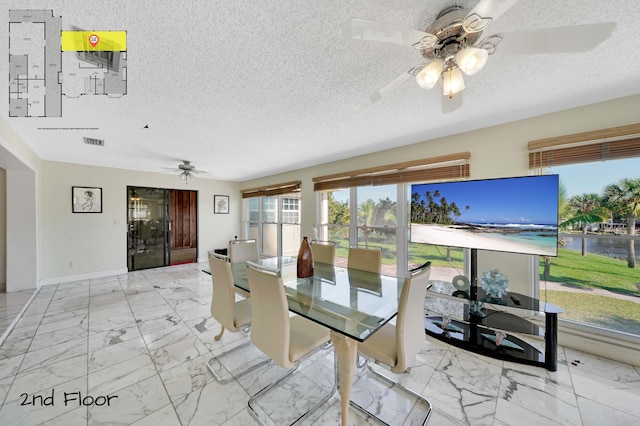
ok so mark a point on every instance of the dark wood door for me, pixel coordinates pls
(184, 226)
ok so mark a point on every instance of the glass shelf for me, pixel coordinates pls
(473, 323)
(511, 299)
(482, 340)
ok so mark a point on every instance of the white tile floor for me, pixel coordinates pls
(143, 340)
(11, 304)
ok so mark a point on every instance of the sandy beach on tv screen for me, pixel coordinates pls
(456, 237)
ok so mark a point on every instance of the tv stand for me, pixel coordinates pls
(475, 322)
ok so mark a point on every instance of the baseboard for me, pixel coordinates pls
(80, 277)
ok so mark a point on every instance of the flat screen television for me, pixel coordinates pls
(516, 215)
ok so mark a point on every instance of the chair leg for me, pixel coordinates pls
(397, 385)
(252, 401)
(361, 362)
(219, 336)
(211, 364)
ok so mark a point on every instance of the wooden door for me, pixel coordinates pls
(184, 226)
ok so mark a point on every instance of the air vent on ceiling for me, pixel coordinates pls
(92, 141)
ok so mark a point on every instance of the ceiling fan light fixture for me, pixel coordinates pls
(430, 74)
(186, 176)
(452, 81)
(471, 59)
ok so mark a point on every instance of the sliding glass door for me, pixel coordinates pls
(148, 224)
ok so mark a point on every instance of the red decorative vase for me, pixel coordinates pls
(305, 260)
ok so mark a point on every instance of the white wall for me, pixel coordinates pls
(21, 166)
(3, 229)
(78, 246)
(21, 230)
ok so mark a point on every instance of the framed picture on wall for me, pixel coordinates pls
(86, 199)
(221, 204)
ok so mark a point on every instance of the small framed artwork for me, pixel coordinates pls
(86, 199)
(221, 204)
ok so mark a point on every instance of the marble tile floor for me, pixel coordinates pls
(11, 305)
(132, 350)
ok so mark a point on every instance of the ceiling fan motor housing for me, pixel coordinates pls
(448, 28)
(186, 166)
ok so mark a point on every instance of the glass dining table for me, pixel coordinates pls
(353, 304)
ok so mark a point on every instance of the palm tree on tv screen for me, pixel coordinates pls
(437, 209)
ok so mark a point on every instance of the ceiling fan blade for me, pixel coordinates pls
(576, 38)
(485, 12)
(379, 94)
(363, 29)
(451, 104)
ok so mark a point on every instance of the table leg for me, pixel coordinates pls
(346, 350)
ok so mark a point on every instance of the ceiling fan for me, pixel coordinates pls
(187, 170)
(452, 46)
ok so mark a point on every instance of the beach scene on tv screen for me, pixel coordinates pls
(518, 215)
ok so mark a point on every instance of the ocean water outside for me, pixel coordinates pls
(611, 247)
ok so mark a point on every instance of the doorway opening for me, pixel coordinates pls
(162, 227)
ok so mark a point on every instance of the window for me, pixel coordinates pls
(269, 209)
(592, 278)
(377, 222)
(273, 218)
(373, 223)
(275, 223)
(368, 208)
(290, 210)
(335, 221)
(595, 276)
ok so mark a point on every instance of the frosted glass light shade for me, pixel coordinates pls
(471, 59)
(430, 74)
(452, 81)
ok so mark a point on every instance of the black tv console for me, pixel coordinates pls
(475, 322)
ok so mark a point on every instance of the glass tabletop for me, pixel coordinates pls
(352, 302)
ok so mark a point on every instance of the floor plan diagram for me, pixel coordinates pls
(47, 63)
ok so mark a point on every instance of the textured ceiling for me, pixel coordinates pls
(249, 89)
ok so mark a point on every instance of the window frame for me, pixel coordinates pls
(261, 223)
(615, 143)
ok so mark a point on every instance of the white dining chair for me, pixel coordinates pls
(362, 259)
(231, 314)
(241, 251)
(396, 346)
(285, 339)
(323, 251)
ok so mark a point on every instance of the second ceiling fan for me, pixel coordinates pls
(452, 45)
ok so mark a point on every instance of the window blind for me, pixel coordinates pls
(598, 145)
(453, 166)
(271, 190)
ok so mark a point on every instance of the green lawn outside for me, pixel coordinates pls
(592, 271)
(601, 311)
(418, 253)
